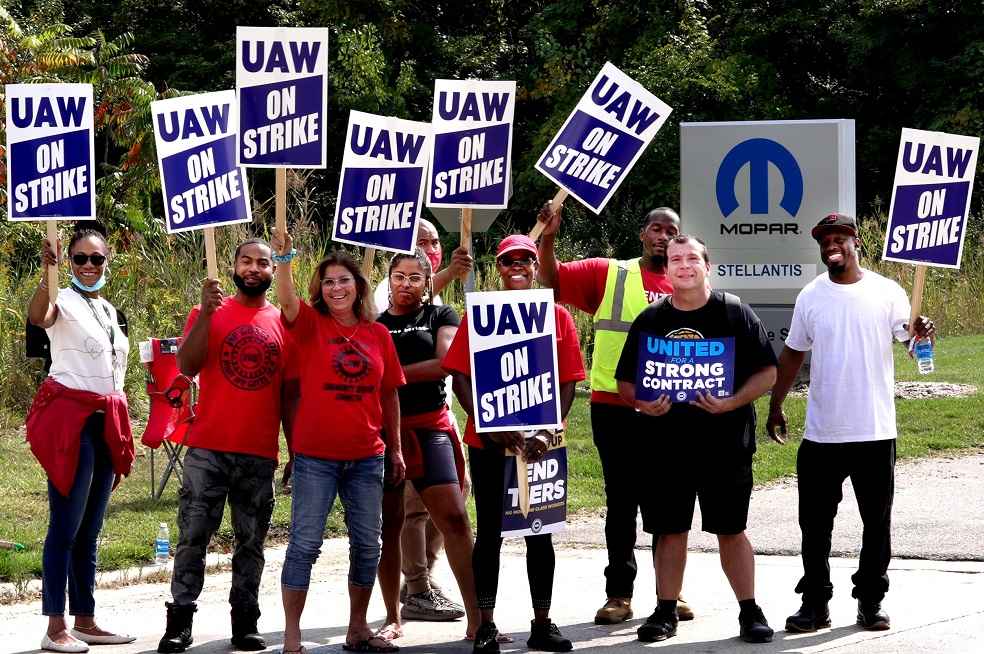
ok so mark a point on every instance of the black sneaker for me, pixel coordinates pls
(809, 618)
(754, 628)
(546, 636)
(486, 639)
(659, 626)
(871, 616)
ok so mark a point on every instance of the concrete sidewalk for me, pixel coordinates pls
(935, 607)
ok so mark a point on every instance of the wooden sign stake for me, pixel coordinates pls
(555, 204)
(281, 200)
(466, 228)
(523, 484)
(368, 262)
(917, 295)
(211, 262)
(52, 271)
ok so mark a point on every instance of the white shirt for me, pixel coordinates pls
(81, 354)
(849, 328)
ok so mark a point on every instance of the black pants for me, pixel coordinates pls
(821, 469)
(487, 467)
(614, 428)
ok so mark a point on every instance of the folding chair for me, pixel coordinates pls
(172, 401)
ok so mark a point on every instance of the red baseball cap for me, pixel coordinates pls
(515, 242)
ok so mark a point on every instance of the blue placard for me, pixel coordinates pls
(603, 137)
(282, 80)
(381, 186)
(196, 152)
(472, 122)
(50, 153)
(930, 206)
(547, 483)
(683, 367)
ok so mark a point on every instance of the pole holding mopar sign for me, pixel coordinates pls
(512, 336)
(934, 177)
(683, 367)
(381, 187)
(546, 490)
(281, 81)
(470, 165)
(603, 137)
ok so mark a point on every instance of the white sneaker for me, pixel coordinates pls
(109, 639)
(76, 647)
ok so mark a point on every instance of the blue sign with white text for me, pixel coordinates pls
(517, 386)
(683, 367)
(547, 482)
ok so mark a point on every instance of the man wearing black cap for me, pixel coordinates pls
(848, 319)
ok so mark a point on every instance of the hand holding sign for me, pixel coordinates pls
(706, 401)
(211, 297)
(655, 408)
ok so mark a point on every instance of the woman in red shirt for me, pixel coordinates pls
(516, 263)
(348, 374)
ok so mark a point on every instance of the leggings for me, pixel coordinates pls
(487, 472)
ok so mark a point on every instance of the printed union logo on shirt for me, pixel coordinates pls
(683, 364)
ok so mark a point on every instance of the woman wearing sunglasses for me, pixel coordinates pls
(80, 410)
(346, 422)
(516, 263)
(422, 332)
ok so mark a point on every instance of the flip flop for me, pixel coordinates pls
(389, 632)
(366, 645)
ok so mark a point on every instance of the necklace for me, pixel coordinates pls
(338, 328)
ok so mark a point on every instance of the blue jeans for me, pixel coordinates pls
(315, 483)
(73, 527)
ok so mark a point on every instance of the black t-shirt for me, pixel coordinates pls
(415, 337)
(752, 353)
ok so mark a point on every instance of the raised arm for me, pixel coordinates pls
(459, 267)
(290, 304)
(41, 312)
(194, 346)
(548, 271)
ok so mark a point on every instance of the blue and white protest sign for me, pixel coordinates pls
(196, 153)
(934, 178)
(603, 137)
(50, 152)
(282, 83)
(512, 336)
(381, 187)
(472, 123)
(684, 367)
(546, 482)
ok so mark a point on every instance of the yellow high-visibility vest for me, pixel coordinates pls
(625, 298)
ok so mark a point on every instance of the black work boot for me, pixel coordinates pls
(486, 639)
(810, 617)
(245, 635)
(753, 626)
(658, 626)
(546, 636)
(872, 617)
(177, 635)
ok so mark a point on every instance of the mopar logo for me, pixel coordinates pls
(758, 153)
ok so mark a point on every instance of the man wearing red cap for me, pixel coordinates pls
(614, 292)
(848, 319)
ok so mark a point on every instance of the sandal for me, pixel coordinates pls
(390, 632)
(367, 645)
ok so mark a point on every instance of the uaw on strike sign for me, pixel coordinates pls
(683, 367)
(512, 338)
(934, 177)
(381, 187)
(50, 153)
(282, 80)
(472, 123)
(196, 153)
(603, 137)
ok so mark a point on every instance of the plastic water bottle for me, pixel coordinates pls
(924, 355)
(162, 546)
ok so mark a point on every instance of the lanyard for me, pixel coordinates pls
(108, 328)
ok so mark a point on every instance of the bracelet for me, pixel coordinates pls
(284, 258)
(43, 285)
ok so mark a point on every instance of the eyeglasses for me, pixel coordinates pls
(96, 259)
(506, 262)
(415, 279)
(328, 282)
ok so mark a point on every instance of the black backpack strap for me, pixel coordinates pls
(122, 322)
(732, 308)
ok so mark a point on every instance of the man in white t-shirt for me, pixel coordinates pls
(848, 318)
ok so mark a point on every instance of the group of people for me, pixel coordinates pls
(363, 397)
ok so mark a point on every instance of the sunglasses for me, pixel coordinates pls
(508, 262)
(96, 259)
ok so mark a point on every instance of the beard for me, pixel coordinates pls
(251, 291)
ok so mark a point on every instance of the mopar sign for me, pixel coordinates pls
(756, 154)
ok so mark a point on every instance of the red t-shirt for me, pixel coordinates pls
(238, 406)
(569, 363)
(581, 284)
(342, 372)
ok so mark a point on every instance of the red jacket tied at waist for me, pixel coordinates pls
(55, 422)
(439, 420)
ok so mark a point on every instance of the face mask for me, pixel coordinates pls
(89, 289)
(251, 291)
(435, 260)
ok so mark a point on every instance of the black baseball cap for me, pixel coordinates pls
(839, 222)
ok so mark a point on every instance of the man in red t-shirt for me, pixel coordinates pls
(614, 292)
(238, 347)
